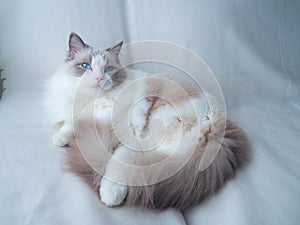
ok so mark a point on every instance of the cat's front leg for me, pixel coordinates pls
(62, 137)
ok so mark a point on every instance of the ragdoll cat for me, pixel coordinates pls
(72, 98)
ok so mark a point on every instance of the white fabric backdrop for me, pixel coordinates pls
(252, 47)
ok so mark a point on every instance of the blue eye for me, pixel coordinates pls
(108, 69)
(86, 66)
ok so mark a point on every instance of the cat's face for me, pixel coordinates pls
(100, 69)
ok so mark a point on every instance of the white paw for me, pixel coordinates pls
(59, 139)
(112, 194)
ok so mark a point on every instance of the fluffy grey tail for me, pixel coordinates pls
(189, 186)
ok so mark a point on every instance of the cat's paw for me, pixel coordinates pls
(112, 194)
(60, 140)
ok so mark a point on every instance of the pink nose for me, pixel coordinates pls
(99, 79)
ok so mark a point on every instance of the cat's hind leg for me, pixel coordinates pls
(113, 193)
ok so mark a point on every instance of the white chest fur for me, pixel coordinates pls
(104, 110)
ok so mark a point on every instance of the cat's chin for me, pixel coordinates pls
(96, 90)
(101, 87)
(96, 86)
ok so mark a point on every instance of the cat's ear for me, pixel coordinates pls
(115, 50)
(75, 44)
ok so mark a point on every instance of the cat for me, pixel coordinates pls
(136, 113)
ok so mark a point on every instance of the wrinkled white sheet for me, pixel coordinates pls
(252, 47)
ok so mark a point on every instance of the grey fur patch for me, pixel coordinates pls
(111, 58)
(83, 56)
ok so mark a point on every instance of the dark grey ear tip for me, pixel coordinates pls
(115, 49)
(118, 46)
(120, 43)
(73, 35)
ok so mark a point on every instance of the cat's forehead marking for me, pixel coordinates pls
(97, 56)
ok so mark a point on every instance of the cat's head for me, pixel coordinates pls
(101, 68)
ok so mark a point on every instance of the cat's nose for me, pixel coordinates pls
(99, 79)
